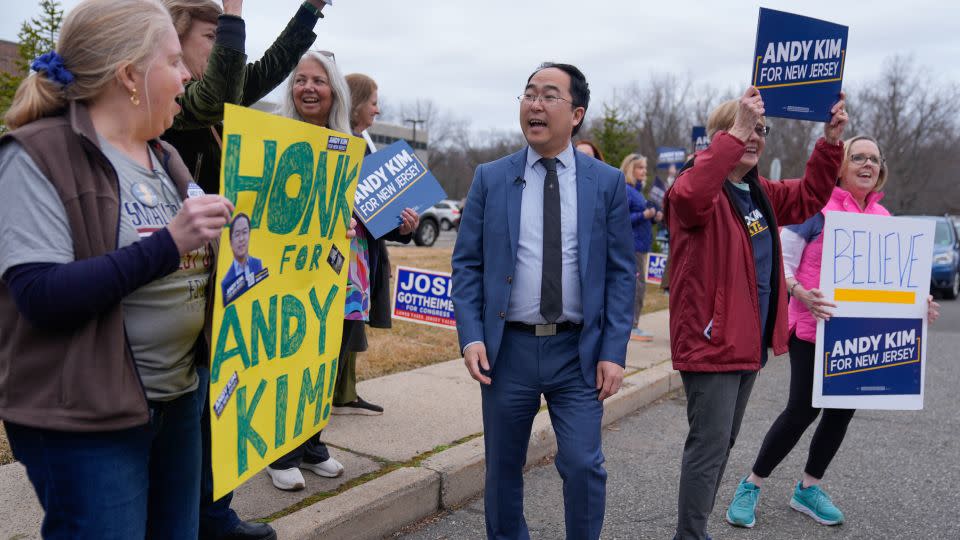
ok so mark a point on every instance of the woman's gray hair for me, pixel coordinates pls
(339, 119)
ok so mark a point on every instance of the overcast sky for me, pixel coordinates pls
(472, 58)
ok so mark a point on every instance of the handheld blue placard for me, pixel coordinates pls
(698, 138)
(390, 180)
(670, 155)
(798, 65)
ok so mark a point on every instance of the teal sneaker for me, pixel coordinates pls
(742, 511)
(815, 503)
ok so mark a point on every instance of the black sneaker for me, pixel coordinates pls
(358, 406)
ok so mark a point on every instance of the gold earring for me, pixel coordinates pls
(133, 97)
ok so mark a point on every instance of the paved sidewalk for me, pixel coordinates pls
(424, 454)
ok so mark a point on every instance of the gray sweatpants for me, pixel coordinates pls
(715, 405)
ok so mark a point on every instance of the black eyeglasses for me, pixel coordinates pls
(762, 131)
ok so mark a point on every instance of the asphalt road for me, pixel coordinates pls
(897, 475)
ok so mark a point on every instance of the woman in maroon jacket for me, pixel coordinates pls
(728, 301)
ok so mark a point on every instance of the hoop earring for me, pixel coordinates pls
(133, 97)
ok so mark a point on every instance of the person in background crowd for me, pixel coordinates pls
(101, 253)
(371, 253)
(643, 214)
(589, 148)
(213, 42)
(728, 300)
(863, 174)
(317, 93)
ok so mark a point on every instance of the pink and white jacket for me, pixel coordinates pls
(807, 272)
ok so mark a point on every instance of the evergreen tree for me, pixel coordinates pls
(37, 36)
(614, 135)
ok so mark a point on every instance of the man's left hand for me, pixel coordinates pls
(609, 378)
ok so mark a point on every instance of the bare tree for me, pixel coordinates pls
(917, 122)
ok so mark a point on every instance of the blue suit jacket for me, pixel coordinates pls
(485, 257)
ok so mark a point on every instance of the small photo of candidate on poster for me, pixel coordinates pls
(246, 270)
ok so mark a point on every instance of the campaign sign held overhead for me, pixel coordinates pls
(392, 179)
(698, 138)
(798, 65)
(423, 296)
(871, 354)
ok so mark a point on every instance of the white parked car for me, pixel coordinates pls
(443, 216)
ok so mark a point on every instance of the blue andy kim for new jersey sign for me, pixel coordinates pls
(798, 65)
(392, 179)
(871, 356)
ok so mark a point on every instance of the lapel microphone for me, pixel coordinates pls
(520, 182)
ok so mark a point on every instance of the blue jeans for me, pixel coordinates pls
(142, 482)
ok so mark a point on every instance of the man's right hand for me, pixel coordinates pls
(475, 358)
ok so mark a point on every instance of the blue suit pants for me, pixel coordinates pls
(528, 367)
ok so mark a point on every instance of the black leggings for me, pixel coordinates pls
(799, 414)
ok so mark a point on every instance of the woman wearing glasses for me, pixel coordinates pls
(862, 176)
(728, 300)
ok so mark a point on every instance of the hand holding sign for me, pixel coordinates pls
(233, 7)
(409, 221)
(833, 130)
(933, 309)
(199, 221)
(749, 113)
(816, 303)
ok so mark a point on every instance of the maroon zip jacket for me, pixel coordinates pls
(714, 309)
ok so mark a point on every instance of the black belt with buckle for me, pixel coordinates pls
(541, 330)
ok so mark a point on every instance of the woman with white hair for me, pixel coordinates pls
(316, 93)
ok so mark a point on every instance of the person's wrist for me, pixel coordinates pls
(315, 6)
(792, 290)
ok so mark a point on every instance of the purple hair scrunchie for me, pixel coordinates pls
(51, 63)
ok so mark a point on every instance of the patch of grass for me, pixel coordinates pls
(6, 455)
(409, 345)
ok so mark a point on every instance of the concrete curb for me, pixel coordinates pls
(449, 478)
(371, 510)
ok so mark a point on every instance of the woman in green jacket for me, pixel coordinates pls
(213, 51)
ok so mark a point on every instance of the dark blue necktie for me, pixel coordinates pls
(551, 289)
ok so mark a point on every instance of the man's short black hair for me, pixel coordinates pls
(579, 89)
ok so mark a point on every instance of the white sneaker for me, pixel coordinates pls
(287, 479)
(330, 468)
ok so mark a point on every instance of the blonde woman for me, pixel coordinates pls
(101, 318)
(643, 214)
(728, 298)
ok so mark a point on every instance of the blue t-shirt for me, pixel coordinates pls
(762, 241)
(810, 229)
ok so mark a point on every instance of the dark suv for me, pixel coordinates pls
(945, 277)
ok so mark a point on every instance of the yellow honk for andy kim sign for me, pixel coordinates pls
(280, 288)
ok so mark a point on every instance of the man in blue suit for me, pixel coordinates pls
(543, 284)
